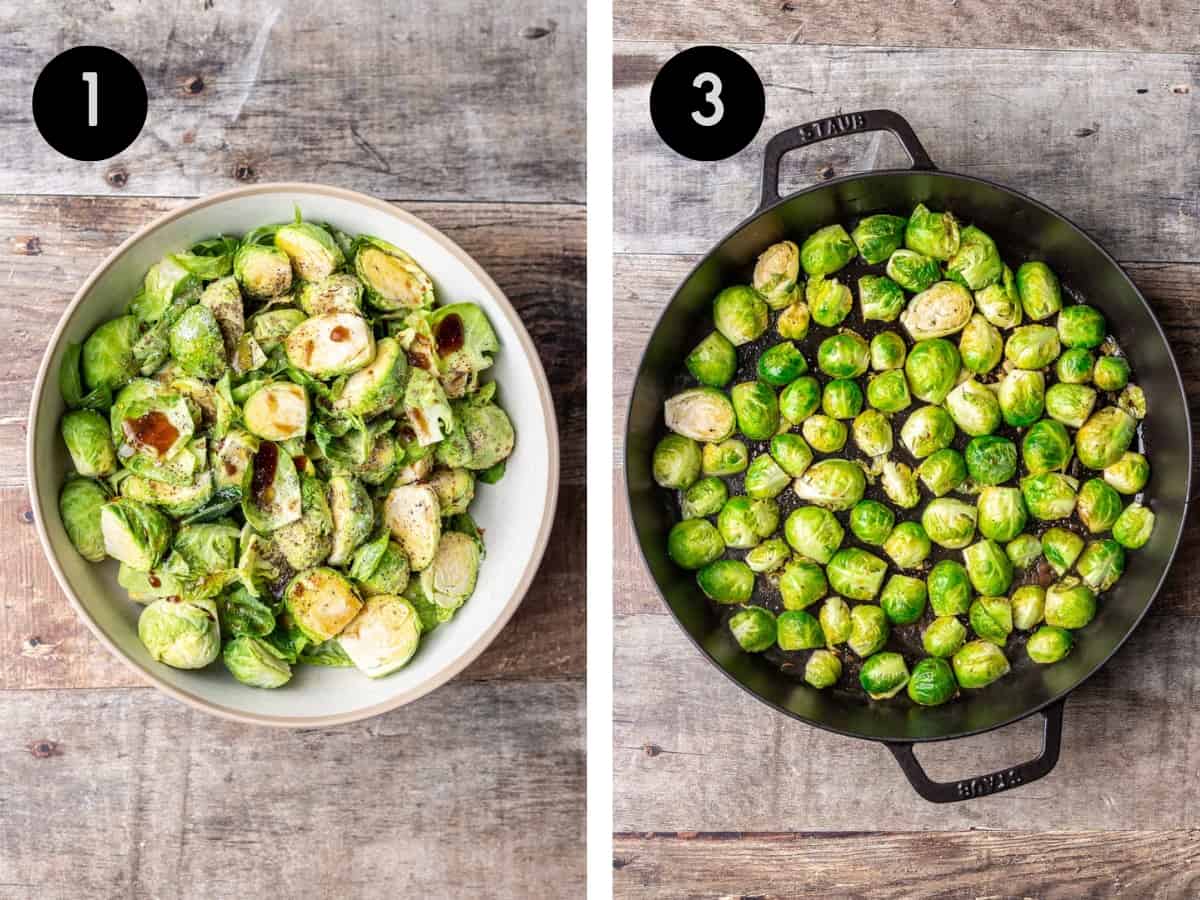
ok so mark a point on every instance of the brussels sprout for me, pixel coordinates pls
(826, 250)
(824, 434)
(781, 365)
(871, 522)
(800, 399)
(988, 567)
(694, 543)
(1028, 605)
(899, 483)
(942, 471)
(1023, 551)
(765, 479)
(903, 599)
(1041, 296)
(1032, 346)
(776, 273)
(1046, 447)
(224, 299)
(868, 630)
(768, 556)
(1061, 549)
(1081, 326)
(743, 521)
(1050, 495)
(855, 573)
(934, 234)
(999, 302)
(384, 635)
(354, 514)
(413, 515)
(797, 630)
(337, 293)
(881, 299)
(835, 621)
(740, 314)
(713, 362)
(321, 603)
(1111, 373)
(949, 523)
(174, 499)
(1070, 604)
(277, 411)
(974, 408)
(823, 669)
(380, 386)
(888, 351)
(792, 453)
(392, 278)
(829, 301)
(793, 322)
(86, 434)
(704, 498)
(883, 675)
(978, 663)
(908, 546)
(380, 566)
(196, 343)
(940, 310)
(1104, 438)
(801, 584)
(991, 618)
(382, 462)
(1075, 366)
(231, 456)
(725, 458)
(271, 489)
(676, 462)
(813, 532)
(757, 410)
(754, 629)
(702, 414)
(254, 662)
(107, 358)
(949, 588)
(980, 345)
(1070, 404)
(943, 636)
(932, 683)
(726, 581)
(1098, 505)
(932, 368)
(1049, 644)
(842, 399)
(927, 430)
(183, 634)
(888, 391)
(1134, 526)
(844, 355)
(873, 433)
(1101, 564)
(1002, 513)
(270, 326)
(977, 262)
(913, 271)
(1022, 396)
(1133, 401)
(79, 504)
(878, 237)
(331, 345)
(263, 272)
(1128, 474)
(832, 483)
(134, 533)
(307, 541)
(991, 460)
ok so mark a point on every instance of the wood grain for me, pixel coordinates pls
(894, 866)
(412, 100)
(1099, 25)
(1071, 129)
(477, 790)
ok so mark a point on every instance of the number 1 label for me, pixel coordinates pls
(93, 99)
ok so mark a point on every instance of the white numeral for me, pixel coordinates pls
(712, 98)
(93, 100)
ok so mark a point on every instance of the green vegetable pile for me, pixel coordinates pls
(956, 487)
(279, 443)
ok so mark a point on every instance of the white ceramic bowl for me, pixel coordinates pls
(516, 513)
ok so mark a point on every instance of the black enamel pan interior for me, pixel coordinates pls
(1025, 229)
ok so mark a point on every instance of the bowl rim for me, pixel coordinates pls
(471, 652)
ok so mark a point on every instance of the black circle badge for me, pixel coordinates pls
(707, 103)
(89, 103)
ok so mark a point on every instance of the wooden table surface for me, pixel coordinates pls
(1093, 109)
(471, 116)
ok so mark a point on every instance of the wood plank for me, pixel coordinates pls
(1071, 129)
(127, 793)
(1099, 25)
(1055, 866)
(535, 252)
(401, 100)
(693, 752)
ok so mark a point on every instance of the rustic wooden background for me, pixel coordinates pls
(1092, 108)
(470, 116)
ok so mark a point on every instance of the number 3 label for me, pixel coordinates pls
(712, 98)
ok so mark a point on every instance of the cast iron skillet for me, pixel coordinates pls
(1024, 228)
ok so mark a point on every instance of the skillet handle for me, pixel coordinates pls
(836, 126)
(982, 785)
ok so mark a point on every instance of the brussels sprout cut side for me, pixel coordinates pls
(904, 446)
(280, 442)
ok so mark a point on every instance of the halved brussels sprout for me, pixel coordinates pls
(392, 278)
(903, 599)
(800, 399)
(855, 573)
(888, 391)
(1028, 606)
(225, 300)
(756, 408)
(991, 459)
(1002, 513)
(908, 546)
(835, 621)
(842, 399)
(86, 434)
(801, 584)
(726, 581)
(793, 322)
(1050, 495)
(881, 299)
(988, 567)
(991, 618)
(814, 532)
(174, 499)
(306, 542)
(380, 386)
(1133, 401)
(147, 420)
(197, 344)
(888, 351)
(883, 675)
(1134, 526)
(978, 663)
(932, 683)
(1049, 644)
(949, 588)
(1111, 373)
(331, 345)
(768, 556)
(413, 515)
(798, 630)
(744, 521)
(932, 368)
(1081, 326)
(1098, 505)
(231, 456)
(980, 345)
(999, 302)
(1038, 287)
(270, 326)
(382, 461)
(1061, 548)
(899, 483)
(942, 471)
(934, 234)
(107, 358)
(913, 271)
(869, 630)
(873, 433)
(380, 566)
(1128, 474)
(725, 458)
(271, 489)
(829, 301)
(183, 634)
(676, 462)
(384, 635)
(704, 498)
(450, 579)
(754, 629)
(354, 515)
(942, 309)
(826, 250)
(321, 602)
(871, 522)
(1104, 437)
(1075, 366)
(713, 361)
(482, 435)
(135, 533)
(1070, 604)
(792, 453)
(823, 669)
(254, 662)
(1101, 564)
(878, 237)
(740, 314)
(949, 523)
(277, 411)
(1070, 404)
(844, 355)
(832, 483)
(781, 365)
(79, 505)
(974, 408)
(263, 272)
(313, 252)
(339, 293)
(943, 636)
(1032, 346)
(694, 543)
(1046, 447)
(776, 273)
(824, 433)
(927, 430)
(702, 414)
(765, 479)
(1022, 396)
(977, 262)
